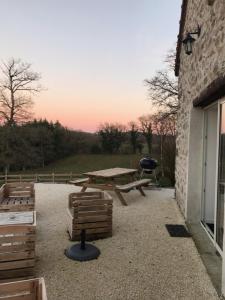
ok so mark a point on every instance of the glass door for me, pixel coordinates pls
(210, 169)
(221, 180)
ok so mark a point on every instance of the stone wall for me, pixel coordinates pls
(197, 71)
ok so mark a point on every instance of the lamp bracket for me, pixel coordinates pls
(197, 31)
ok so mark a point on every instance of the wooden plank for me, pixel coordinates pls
(92, 225)
(111, 173)
(24, 290)
(16, 208)
(92, 219)
(104, 187)
(94, 230)
(81, 195)
(16, 273)
(15, 238)
(17, 264)
(21, 297)
(98, 202)
(16, 229)
(79, 181)
(76, 200)
(91, 213)
(134, 184)
(28, 246)
(16, 256)
(90, 208)
(42, 290)
(8, 218)
(17, 286)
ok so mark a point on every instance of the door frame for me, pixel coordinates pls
(213, 237)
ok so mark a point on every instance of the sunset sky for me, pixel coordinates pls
(93, 54)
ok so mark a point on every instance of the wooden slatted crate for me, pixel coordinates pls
(17, 244)
(17, 196)
(31, 289)
(91, 211)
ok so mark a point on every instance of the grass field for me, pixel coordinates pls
(90, 162)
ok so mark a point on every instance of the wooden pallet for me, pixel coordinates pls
(17, 196)
(17, 244)
(91, 211)
(31, 289)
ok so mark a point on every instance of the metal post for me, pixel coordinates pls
(82, 239)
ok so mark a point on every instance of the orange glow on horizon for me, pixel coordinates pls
(87, 114)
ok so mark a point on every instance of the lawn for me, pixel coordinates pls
(90, 162)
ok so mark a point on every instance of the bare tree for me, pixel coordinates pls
(134, 134)
(163, 88)
(146, 123)
(112, 136)
(17, 86)
(165, 128)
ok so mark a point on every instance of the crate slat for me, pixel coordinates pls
(31, 289)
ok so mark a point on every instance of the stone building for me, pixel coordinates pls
(200, 159)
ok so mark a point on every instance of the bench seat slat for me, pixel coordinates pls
(79, 181)
(135, 184)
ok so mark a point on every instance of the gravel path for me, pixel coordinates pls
(141, 261)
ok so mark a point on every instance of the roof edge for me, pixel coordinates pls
(180, 36)
(213, 92)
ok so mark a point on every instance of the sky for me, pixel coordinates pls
(93, 55)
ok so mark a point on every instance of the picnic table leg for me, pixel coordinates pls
(141, 190)
(122, 200)
(83, 189)
(119, 195)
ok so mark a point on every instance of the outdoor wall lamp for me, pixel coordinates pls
(189, 40)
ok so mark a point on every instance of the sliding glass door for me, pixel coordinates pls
(210, 169)
(214, 173)
(221, 180)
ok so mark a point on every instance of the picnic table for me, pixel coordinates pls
(108, 177)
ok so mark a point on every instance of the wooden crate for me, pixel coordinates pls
(31, 289)
(17, 244)
(91, 211)
(17, 196)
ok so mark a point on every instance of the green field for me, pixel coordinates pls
(90, 162)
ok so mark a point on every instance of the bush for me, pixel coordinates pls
(96, 149)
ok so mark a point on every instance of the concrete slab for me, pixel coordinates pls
(141, 261)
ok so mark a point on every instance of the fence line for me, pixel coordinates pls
(51, 177)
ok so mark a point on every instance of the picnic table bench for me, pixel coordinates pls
(108, 176)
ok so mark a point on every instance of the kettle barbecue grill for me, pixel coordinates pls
(148, 166)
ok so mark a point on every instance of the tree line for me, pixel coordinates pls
(38, 143)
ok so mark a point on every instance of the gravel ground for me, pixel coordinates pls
(141, 261)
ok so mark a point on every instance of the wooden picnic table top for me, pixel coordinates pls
(111, 173)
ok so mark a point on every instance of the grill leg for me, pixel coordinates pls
(156, 181)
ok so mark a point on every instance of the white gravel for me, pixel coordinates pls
(141, 261)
